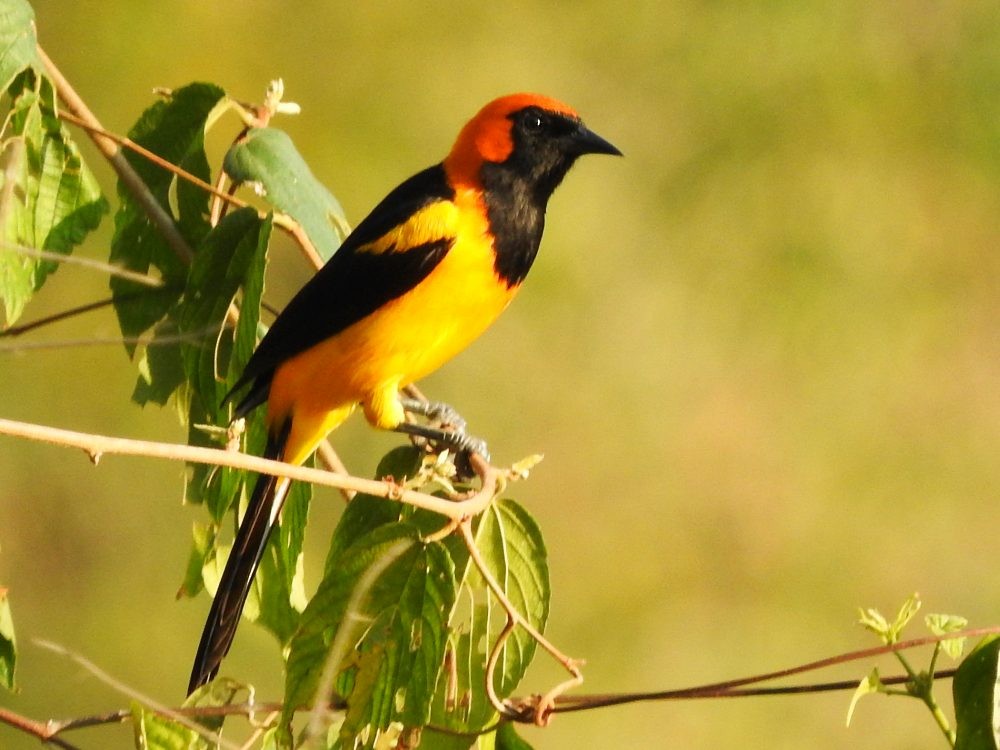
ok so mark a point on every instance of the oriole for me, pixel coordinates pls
(429, 269)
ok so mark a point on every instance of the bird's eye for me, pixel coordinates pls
(534, 122)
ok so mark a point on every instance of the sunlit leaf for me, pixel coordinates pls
(888, 632)
(18, 45)
(399, 660)
(508, 738)
(278, 593)
(869, 684)
(8, 644)
(219, 269)
(202, 545)
(976, 691)
(219, 692)
(49, 200)
(381, 611)
(267, 158)
(512, 549)
(940, 624)
(433, 739)
(155, 732)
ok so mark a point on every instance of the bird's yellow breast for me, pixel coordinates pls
(408, 337)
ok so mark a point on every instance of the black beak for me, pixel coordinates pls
(588, 142)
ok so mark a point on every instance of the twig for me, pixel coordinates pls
(295, 229)
(544, 705)
(97, 445)
(96, 265)
(55, 318)
(735, 687)
(586, 702)
(331, 461)
(34, 728)
(134, 695)
(95, 129)
(161, 340)
(84, 722)
(491, 665)
(259, 730)
(129, 177)
(192, 712)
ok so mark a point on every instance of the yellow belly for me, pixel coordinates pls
(401, 342)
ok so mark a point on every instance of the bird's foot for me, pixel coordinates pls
(436, 411)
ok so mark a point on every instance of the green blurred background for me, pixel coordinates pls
(760, 353)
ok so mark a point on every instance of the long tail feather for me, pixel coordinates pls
(234, 586)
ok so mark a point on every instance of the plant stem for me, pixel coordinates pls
(129, 177)
(922, 687)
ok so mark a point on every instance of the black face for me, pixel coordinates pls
(546, 144)
(518, 189)
(544, 149)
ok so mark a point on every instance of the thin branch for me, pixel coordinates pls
(290, 225)
(96, 720)
(160, 340)
(95, 129)
(96, 265)
(74, 311)
(735, 687)
(542, 708)
(97, 445)
(192, 712)
(331, 461)
(55, 318)
(134, 695)
(34, 728)
(129, 177)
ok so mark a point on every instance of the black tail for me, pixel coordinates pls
(234, 586)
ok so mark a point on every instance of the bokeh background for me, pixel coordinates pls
(760, 353)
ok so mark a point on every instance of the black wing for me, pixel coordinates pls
(352, 284)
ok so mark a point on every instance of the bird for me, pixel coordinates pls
(423, 275)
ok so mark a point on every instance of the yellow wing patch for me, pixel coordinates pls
(436, 221)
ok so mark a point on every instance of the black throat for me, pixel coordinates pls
(516, 210)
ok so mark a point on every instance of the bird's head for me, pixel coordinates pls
(524, 138)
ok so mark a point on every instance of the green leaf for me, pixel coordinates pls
(232, 255)
(870, 684)
(49, 200)
(8, 644)
(161, 370)
(508, 739)
(398, 593)
(155, 732)
(432, 739)
(976, 691)
(400, 658)
(203, 545)
(887, 632)
(511, 546)
(940, 624)
(267, 158)
(505, 737)
(220, 267)
(18, 44)
(175, 130)
(219, 692)
(278, 596)
(366, 512)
